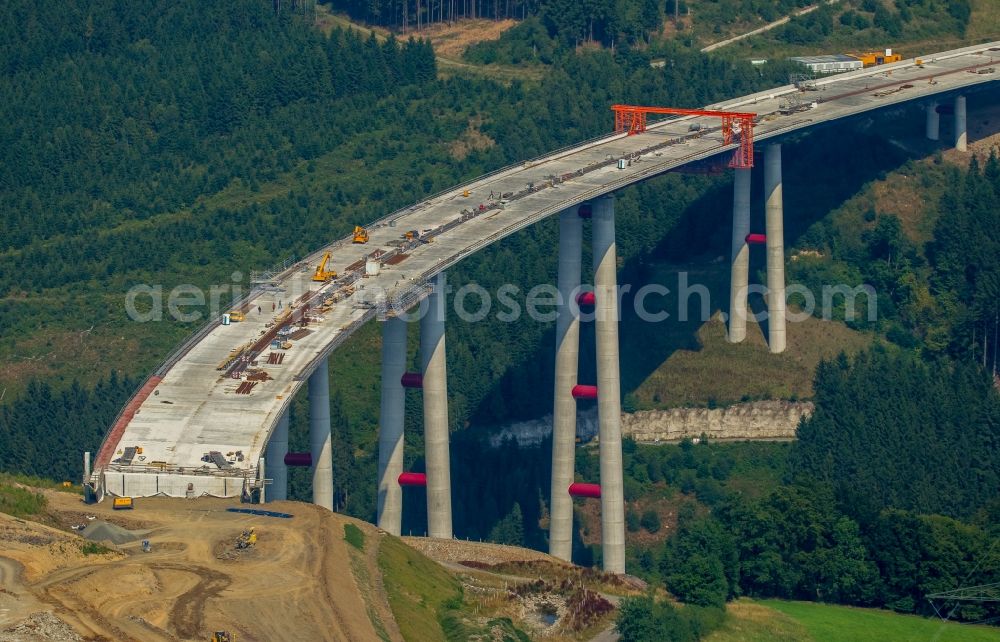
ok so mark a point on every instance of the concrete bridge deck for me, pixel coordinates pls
(191, 407)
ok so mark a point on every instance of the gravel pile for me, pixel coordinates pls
(101, 531)
(447, 550)
(40, 626)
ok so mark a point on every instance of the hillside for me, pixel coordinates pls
(909, 192)
(851, 26)
(314, 575)
(193, 581)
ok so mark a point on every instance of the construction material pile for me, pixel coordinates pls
(101, 531)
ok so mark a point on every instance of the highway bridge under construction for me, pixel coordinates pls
(213, 418)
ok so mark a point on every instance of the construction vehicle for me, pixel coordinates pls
(223, 636)
(874, 58)
(416, 235)
(122, 503)
(360, 234)
(236, 316)
(321, 274)
(247, 539)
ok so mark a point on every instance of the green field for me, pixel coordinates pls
(828, 623)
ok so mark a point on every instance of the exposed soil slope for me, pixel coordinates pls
(297, 581)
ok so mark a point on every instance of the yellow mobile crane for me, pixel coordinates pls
(322, 274)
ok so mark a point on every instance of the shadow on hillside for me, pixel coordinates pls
(822, 170)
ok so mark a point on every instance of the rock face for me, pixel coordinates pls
(753, 420)
(770, 419)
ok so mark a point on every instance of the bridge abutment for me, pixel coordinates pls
(435, 389)
(320, 439)
(609, 385)
(740, 257)
(567, 369)
(274, 460)
(774, 228)
(390, 438)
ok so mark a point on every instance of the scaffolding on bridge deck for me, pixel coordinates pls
(735, 125)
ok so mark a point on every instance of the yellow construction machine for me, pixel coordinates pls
(247, 539)
(360, 234)
(223, 636)
(322, 274)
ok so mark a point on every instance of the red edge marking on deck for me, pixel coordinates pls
(111, 443)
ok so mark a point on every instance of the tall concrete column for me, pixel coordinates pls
(274, 460)
(390, 435)
(774, 224)
(320, 439)
(567, 368)
(435, 386)
(609, 412)
(933, 122)
(739, 279)
(961, 135)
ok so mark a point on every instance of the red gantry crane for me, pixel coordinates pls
(736, 125)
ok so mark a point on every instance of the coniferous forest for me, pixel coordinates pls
(178, 142)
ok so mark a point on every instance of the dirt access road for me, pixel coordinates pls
(296, 583)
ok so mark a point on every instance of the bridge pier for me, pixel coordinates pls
(739, 281)
(567, 369)
(390, 436)
(774, 228)
(961, 133)
(274, 460)
(609, 385)
(933, 127)
(320, 439)
(435, 389)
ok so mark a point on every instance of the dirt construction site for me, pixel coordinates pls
(182, 569)
(295, 582)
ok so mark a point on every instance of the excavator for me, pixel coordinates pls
(360, 234)
(323, 275)
(223, 636)
(247, 539)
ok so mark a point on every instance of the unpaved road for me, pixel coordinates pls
(297, 583)
(15, 602)
(771, 25)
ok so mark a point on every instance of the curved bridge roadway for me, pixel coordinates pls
(193, 404)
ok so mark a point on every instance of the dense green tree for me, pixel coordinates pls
(879, 451)
(700, 563)
(509, 530)
(343, 452)
(966, 276)
(644, 619)
(651, 521)
(632, 520)
(918, 555)
(45, 432)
